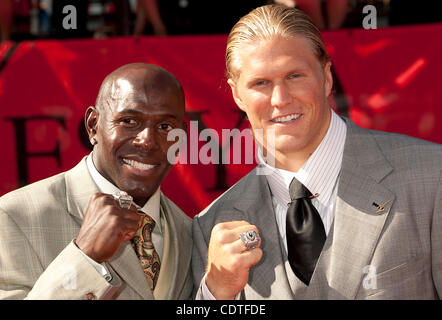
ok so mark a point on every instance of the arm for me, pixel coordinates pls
(70, 275)
(22, 275)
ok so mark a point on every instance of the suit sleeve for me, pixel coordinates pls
(199, 258)
(22, 275)
(436, 240)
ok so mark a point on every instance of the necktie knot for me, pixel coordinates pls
(148, 223)
(145, 232)
(298, 191)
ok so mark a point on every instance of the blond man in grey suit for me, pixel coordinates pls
(344, 212)
(75, 235)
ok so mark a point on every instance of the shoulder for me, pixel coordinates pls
(39, 192)
(235, 194)
(405, 152)
(401, 151)
(35, 199)
(409, 167)
(396, 141)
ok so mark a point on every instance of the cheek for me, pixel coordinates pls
(257, 121)
(258, 109)
(311, 96)
(164, 146)
(121, 137)
(305, 91)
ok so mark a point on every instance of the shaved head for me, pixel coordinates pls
(143, 76)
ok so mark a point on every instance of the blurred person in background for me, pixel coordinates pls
(148, 11)
(336, 11)
(6, 16)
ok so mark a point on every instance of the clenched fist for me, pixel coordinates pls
(229, 261)
(105, 226)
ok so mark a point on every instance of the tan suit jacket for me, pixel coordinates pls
(38, 259)
(394, 253)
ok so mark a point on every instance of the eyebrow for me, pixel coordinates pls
(137, 112)
(258, 77)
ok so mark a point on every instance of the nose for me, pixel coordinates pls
(280, 96)
(146, 139)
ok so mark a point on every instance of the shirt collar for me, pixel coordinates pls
(151, 207)
(319, 173)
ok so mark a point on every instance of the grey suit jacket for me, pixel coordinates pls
(395, 253)
(38, 259)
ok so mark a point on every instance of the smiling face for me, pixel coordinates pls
(282, 86)
(131, 126)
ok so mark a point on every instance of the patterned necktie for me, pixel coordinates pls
(305, 232)
(150, 261)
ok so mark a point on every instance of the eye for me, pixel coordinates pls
(294, 76)
(128, 122)
(260, 83)
(165, 127)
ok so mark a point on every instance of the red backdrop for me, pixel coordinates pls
(390, 78)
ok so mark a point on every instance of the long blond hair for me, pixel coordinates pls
(268, 22)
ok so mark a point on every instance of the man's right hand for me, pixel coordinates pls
(228, 259)
(105, 226)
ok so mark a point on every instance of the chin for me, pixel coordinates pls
(289, 144)
(136, 187)
(145, 190)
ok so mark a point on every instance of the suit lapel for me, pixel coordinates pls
(126, 263)
(168, 264)
(362, 207)
(177, 253)
(268, 278)
(79, 189)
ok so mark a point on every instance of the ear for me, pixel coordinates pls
(235, 95)
(328, 79)
(91, 123)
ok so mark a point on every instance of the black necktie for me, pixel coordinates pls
(305, 232)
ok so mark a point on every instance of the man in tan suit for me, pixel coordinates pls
(343, 213)
(76, 235)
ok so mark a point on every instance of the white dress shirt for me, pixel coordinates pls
(151, 207)
(319, 174)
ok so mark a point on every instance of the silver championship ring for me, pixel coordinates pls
(124, 200)
(250, 238)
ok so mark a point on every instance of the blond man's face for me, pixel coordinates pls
(282, 86)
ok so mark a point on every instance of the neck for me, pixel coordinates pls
(291, 161)
(141, 201)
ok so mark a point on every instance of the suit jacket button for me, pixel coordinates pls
(90, 296)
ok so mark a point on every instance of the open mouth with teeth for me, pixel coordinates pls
(139, 165)
(288, 118)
